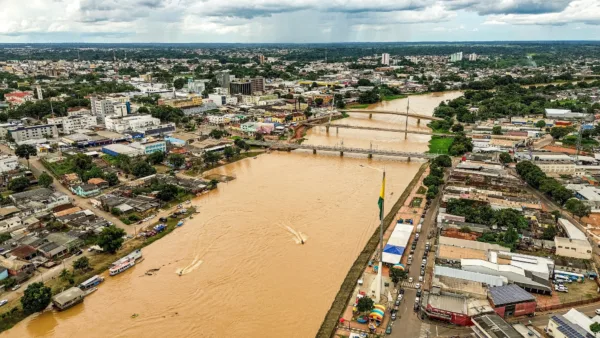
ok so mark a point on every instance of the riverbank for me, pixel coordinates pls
(241, 156)
(356, 270)
(99, 263)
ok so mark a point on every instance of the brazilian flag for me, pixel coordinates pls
(381, 197)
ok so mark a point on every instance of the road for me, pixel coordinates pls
(409, 323)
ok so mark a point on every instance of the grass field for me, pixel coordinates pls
(358, 106)
(439, 145)
(393, 97)
(422, 190)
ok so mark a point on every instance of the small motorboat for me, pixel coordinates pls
(180, 223)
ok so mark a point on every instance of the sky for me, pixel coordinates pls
(297, 21)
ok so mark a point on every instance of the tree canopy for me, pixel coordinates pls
(36, 298)
(111, 238)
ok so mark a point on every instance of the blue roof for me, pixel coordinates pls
(392, 249)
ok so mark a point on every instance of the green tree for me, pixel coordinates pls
(549, 233)
(143, 110)
(36, 298)
(228, 152)
(578, 208)
(81, 163)
(211, 157)
(505, 158)
(142, 169)
(179, 83)
(365, 304)
(111, 239)
(497, 130)
(176, 160)
(64, 275)
(540, 124)
(45, 180)
(397, 275)
(595, 328)
(457, 128)
(318, 101)
(167, 193)
(18, 184)
(112, 179)
(156, 157)
(82, 263)
(465, 229)
(443, 161)
(26, 151)
(95, 172)
(560, 132)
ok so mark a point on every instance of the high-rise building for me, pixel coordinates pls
(456, 57)
(38, 90)
(240, 87)
(223, 78)
(261, 59)
(103, 107)
(258, 85)
(385, 59)
(473, 57)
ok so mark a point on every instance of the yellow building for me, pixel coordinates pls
(279, 118)
(297, 117)
(181, 103)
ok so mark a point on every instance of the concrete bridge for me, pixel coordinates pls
(343, 126)
(419, 117)
(341, 149)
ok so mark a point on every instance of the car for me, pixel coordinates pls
(400, 296)
(410, 279)
(78, 252)
(416, 236)
(16, 287)
(422, 272)
(412, 251)
(424, 261)
(419, 293)
(418, 286)
(416, 307)
(409, 261)
(397, 303)
(417, 300)
(3, 302)
(163, 219)
(598, 312)
(388, 330)
(427, 244)
(401, 291)
(394, 316)
(420, 278)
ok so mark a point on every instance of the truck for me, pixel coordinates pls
(160, 228)
(419, 228)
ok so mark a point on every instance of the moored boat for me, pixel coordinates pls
(115, 270)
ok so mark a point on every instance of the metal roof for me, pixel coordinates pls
(569, 329)
(496, 327)
(472, 276)
(508, 294)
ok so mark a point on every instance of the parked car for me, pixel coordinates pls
(417, 299)
(400, 296)
(394, 316)
(420, 278)
(78, 252)
(418, 286)
(419, 293)
(422, 272)
(388, 330)
(163, 219)
(598, 312)
(416, 307)
(16, 287)
(409, 262)
(416, 236)
(397, 303)
(401, 291)
(3, 302)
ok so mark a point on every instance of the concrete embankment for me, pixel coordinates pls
(342, 298)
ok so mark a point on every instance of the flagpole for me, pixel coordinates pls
(381, 216)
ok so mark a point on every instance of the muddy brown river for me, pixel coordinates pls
(244, 271)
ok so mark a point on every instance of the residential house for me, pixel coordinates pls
(16, 266)
(11, 224)
(86, 190)
(102, 184)
(52, 250)
(38, 201)
(24, 252)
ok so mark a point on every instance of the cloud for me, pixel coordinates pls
(486, 7)
(578, 11)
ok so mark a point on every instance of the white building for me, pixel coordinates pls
(103, 107)
(68, 124)
(120, 124)
(8, 163)
(385, 59)
(218, 99)
(473, 57)
(574, 248)
(571, 324)
(217, 119)
(20, 134)
(456, 57)
(10, 224)
(76, 111)
(150, 147)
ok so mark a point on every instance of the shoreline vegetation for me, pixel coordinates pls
(98, 262)
(338, 306)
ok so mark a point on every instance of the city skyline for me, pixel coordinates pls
(269, 21)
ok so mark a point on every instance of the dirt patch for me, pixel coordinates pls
(455, 233)
(560, 149)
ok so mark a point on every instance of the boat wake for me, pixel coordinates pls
(299, 237)
(190, 267)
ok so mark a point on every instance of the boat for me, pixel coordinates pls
(180, 223)
(115, 270)
(134, 255)
(91, 283)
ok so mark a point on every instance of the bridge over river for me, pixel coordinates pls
(344, 126)
(390, 112)
(341, 149)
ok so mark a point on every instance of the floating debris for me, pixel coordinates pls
(135, 315)
(152, 272)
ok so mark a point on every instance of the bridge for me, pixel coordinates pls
(344, 126)
(390, 112)
(341, 149)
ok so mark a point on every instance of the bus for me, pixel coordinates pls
(565, 275)
(90, 283)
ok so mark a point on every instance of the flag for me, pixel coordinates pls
(381, 197)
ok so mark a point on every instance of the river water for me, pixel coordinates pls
(245, 273)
